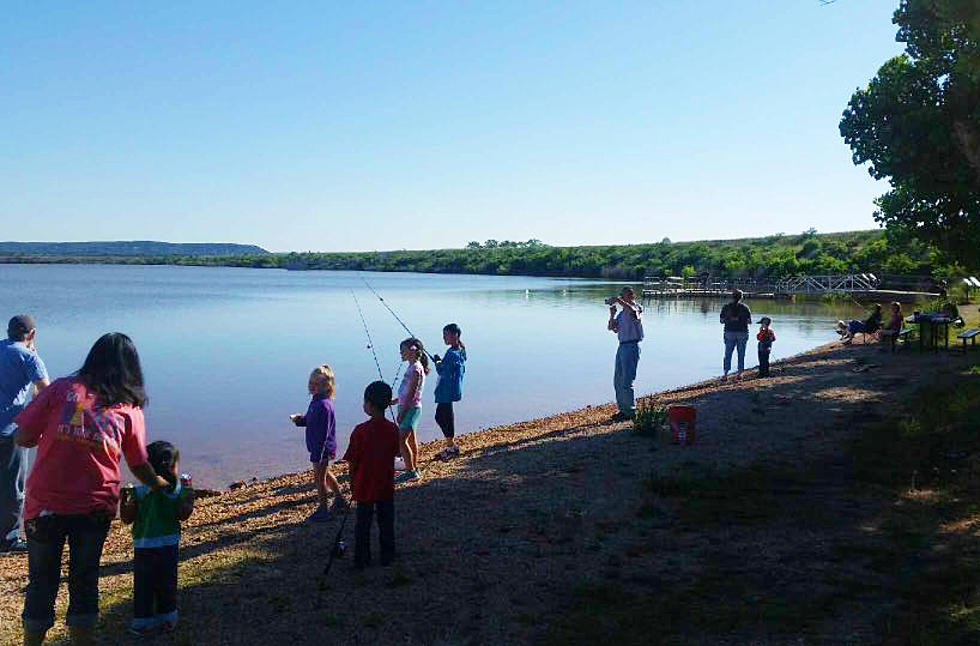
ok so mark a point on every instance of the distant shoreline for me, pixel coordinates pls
(769, 257)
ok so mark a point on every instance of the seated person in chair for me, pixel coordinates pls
(871, 325)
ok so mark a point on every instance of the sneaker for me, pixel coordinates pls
(448, 453)
(622, 417)
(320, 515)
(401, 477)
(413, 476)
(16, 546)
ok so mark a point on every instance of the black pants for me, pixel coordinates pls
(46, 538)
(446, 419)
(386, 531)
(764, 360)
(154, 585)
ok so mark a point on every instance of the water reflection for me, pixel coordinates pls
(227, 351)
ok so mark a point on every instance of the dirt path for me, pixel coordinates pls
(511, 543)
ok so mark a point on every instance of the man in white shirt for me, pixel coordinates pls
(628, 326)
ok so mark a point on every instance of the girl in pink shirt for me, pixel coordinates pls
(409, 402)
(82, 426)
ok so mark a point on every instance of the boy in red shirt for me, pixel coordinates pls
(370, 455)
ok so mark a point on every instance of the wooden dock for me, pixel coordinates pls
(859, 286)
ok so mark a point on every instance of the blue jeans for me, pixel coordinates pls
(13, 473)
(46, 536)
(627, 358)
(735, 340)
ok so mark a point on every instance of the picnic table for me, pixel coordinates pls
(932, 325)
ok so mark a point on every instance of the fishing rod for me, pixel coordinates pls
(397, 318)
(370, 346)
(339, 547)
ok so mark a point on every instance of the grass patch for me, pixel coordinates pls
(929, 455)
(912, 542)
(704, 496)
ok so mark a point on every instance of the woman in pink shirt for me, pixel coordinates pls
(82, 426)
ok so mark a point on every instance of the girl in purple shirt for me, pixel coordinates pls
(321, 440)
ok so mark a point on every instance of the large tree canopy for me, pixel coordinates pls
(918, 125)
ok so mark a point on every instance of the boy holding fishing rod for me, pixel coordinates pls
(370, 456)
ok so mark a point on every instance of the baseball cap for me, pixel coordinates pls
(19, 326)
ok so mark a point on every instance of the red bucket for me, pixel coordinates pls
(681, 424)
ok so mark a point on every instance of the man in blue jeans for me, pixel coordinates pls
(20, 368)
(736, 317)
(628, 326)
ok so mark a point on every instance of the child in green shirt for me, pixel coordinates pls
(156, 516)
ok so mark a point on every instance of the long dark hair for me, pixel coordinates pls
(112, 371)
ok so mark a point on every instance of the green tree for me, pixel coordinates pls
(918, 125)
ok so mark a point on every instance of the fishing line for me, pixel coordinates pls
(367, 333)
(374, 353)
(397, 318)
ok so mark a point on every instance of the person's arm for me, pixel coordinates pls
(186, 505)
(37, 372)
(352, 457)
(632, 308)
(413, 387)
(723, 317)
(442, 364)
(145, 474)
(613, 325)
(298, 420)
(32, 420)
(134, 450)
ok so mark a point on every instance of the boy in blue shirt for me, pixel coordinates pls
(449, 388)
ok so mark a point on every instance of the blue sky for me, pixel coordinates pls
(387, 125)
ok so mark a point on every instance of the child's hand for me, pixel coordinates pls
(296, 418)
(436, 358)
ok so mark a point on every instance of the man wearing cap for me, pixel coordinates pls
(628, 326)
(20, 368)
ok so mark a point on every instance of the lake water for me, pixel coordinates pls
(227, 352)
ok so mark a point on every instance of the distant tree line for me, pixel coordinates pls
(774, 257)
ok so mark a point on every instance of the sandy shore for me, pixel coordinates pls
(493, 546)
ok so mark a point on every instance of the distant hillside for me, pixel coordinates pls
(769, 257)
(129, 248)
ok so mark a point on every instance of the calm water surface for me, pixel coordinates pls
(227, 352)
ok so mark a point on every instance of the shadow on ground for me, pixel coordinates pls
(759, 534)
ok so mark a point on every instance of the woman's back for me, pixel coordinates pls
(80, 444)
